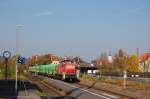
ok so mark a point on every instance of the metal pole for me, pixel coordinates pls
(16, 77)
(17, 49)
(6, 60)
(17, 53)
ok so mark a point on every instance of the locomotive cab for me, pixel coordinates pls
(67, 70)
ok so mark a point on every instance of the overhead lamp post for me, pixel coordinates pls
(18, 28)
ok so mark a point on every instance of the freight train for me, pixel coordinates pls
(66, 70)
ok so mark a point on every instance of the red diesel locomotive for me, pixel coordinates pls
(67, 71)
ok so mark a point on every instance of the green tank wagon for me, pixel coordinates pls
(49, 69)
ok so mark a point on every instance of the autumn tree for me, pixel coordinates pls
(132, 64)
(120, 60)
(80, 62)
(10, 66)
(1, 67)
(41, 59)
(103, 64)
(101, 60)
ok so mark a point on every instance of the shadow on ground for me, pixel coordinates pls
(68, 96)
(51, 97)
(7, 88)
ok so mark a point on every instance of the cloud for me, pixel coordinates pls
(40, 14)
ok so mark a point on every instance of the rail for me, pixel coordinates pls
(46, 87)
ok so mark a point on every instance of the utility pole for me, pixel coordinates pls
(6, 68)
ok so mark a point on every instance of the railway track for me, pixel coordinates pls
(62, 92)
(104, 91)
(47, 88)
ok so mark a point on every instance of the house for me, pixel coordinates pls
(144, 61)
(88, 70)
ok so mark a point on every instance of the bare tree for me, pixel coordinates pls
(120, 59)
(102, 60)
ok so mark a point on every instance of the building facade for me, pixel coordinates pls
(144, 62)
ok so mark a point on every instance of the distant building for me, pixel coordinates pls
(55, 62)
(110, 59)
(144, 60)
(88, 70)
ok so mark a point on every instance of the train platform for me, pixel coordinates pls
(26, 90)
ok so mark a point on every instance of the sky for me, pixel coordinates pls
(84, 28)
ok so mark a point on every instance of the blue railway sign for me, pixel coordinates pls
(21, 60)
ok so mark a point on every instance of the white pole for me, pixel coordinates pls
(17, 53)
(92, 66)
(124, 83)
(36, 65)
(125, 76)
(16, 77)
(17, 48)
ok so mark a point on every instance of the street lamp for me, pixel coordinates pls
(18, 28)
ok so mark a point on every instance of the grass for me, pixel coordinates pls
(20, 76)
(119, 82)
(91, 78)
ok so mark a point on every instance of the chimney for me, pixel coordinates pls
(137, 52)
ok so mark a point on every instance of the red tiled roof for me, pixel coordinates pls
(144, 57)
